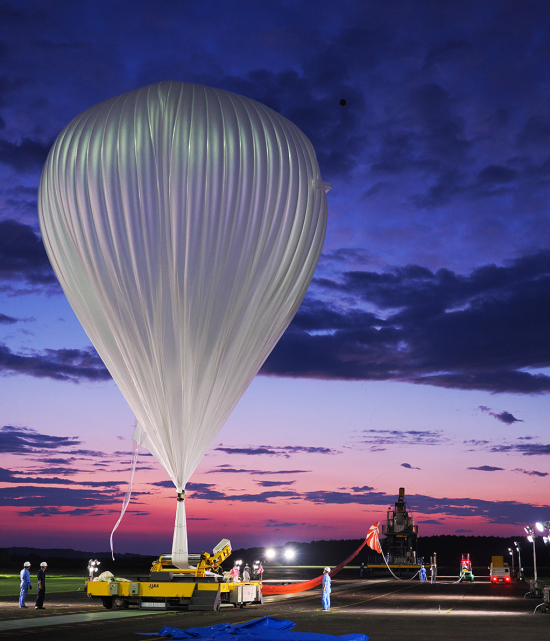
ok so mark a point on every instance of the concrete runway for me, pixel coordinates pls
(379, 608)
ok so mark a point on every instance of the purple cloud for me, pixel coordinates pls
(59, 364)
(530, 472)
(269, 450)
(7, 476)
(227, 469)
(274, 483)
(402, 437)
(527, 449)
(33, 496)
(24, 440)
(487, 468)
(503, 417)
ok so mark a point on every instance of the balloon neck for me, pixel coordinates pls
(181, 495)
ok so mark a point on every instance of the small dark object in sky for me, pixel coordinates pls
(342, 102)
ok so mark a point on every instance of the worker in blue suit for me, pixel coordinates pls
(25, 584)
(422, 574)
(326, 589)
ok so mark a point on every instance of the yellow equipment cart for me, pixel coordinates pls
(168, 587)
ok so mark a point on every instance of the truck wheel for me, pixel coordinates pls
(107, 602)
(120, 604)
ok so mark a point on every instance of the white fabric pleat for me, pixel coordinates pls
(184, 224)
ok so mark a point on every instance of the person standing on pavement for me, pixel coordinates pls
(25, 584)
(326, 589)
(235, 573)
(423, 574)
(41, 580)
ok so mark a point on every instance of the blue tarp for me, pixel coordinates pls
(264, 629)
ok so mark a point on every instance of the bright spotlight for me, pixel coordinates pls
(92, 567)
(530, 539)
(540, 527)
(289, 554)
(270, 553)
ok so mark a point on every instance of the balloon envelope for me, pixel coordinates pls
(184, 224)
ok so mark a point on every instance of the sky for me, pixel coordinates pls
(420, 357)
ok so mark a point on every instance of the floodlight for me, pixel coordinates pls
(539, 526)
(530, 539)
(289, 554)
(270, 553)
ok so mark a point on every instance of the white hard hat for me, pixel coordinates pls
(27, 564)
(43, 564)
(327, 569)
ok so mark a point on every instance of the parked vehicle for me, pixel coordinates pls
(500, 571)
(466, 573)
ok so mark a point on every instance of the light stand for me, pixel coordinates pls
(92, 568)
(521, 576)
(535, 589)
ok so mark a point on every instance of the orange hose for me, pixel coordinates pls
(312, 583)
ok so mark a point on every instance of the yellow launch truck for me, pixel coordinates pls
(168, 587)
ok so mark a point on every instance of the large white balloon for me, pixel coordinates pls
(184, 224)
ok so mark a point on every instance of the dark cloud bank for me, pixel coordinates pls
(24, 440)
(503, 512)
(418, 80)
(269, 450)
(60, 364)
(479, 331)
(23, 257)
(483, 331)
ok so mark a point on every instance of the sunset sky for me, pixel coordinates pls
(420, 357)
